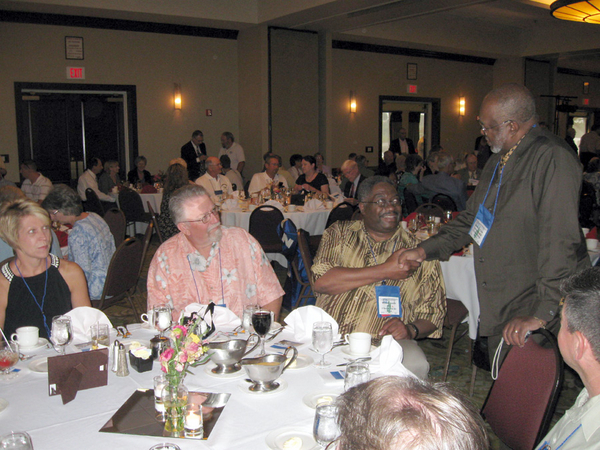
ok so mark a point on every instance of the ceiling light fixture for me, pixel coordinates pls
(587, 11)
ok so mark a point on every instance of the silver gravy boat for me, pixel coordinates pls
(227, 354)
(264, 370)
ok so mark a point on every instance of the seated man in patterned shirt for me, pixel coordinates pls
(208, 262)
(356, 258)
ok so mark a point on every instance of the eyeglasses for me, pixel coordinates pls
(382, 202)
(53, 213)
(206, 217)
(485, 129)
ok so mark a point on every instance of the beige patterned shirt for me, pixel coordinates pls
(346, 244)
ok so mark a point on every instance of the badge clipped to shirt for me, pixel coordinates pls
(481, 225)
(388, 301)
(219, 192)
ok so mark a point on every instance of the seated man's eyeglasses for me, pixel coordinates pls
(485, 129)
(382, 202)
(206, 217)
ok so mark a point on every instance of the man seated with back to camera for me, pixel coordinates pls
(357, 264)
(207, 262)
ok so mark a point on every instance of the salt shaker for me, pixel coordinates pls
(122, 368)
(115, 355)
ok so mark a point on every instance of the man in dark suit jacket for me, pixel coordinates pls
(194, 154)
(402, 144)
(352, 173)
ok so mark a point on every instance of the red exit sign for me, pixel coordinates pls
(76, 73)
(411, 89)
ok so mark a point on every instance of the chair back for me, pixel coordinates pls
(122, 275)
(343, 211)
(444, 201)
(147, 239)
(306, 256)
(92, 204)
(117, 223)
(429, 209)
(263, 226)
(155, 222)
(522, 400)
(410, 202)
(131, 204)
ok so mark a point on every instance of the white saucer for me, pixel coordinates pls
(312, 399)
(301, 362)
(225, 376)
(39, 365)
(346, 350)
(42, 342)
(276, 439)
(3, 404)
(245, 387)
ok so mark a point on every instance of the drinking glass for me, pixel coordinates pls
(356, 373)
(62, 332)
(160, 382)
(9, 356)
(322, 341)
(162, 319)
(16, 440)
(247, 317)
(325, 428)
(261, 321)
(413, 225)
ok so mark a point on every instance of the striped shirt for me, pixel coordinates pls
(346, 244)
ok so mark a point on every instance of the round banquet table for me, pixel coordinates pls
(245, 423)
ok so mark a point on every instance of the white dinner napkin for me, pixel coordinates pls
(314, 205)
(230, 205)
(82, 318)
(275, 204)
(223, 317)
(387, 359)
(300, 322)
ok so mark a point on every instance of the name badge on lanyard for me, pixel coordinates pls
(484, 218)
(388, 301)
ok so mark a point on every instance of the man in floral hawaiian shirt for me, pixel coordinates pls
(209, 262)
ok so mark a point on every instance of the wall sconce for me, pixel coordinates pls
(352, 102)
(177, 96)
(461, 106)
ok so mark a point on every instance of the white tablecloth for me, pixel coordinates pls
(246, 421)
(155, 200)
(459, 277)
(312, 221)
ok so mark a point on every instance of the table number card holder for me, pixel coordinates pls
(68, 374)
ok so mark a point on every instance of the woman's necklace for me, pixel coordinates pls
(41, 307)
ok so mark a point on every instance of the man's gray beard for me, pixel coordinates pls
(496, 149)
(215, 234)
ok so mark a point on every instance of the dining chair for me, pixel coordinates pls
(155, 222)
(122, 275)
(131, 204)
(263, 226)
(444, 201)
(306, 256)
(456, 313)
(430, 209)
(410, 202)
(522, 400)
(116, 221)
(343, 211)
(92, 203)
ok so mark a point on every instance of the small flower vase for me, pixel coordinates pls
(175, 396)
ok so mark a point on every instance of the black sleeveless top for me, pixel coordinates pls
(22, 310)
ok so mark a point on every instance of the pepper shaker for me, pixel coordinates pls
(122, 367)
(115, 355)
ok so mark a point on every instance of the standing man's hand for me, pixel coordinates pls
(516, 329)
(394, 270)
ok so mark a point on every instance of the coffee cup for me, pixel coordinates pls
(360, 343)
(404, 224)
(291, 208)
(148, 318)
(329, 204)
(592, 244)
(26, 336)
(585, 231)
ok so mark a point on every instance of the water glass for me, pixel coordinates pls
(356, 373)
(9, 356)
(160, 382)
(322, 341)
(162, 319)
(100, 335)
(62, 332)
(247, 317)
(16, 441)
(325, 428)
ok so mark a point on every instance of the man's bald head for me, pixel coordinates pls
(512, 102)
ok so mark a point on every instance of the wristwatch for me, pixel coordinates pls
(414, 329)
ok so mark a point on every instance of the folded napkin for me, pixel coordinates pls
(230, 205)
(275, 204)
(300, 322)
(314, 205)
(223, 317)
(82, 319)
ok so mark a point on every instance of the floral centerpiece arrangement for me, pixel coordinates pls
(159, 177)
(186, 349)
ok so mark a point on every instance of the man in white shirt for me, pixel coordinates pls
(234, 151)
(269, 177)
(36, 186)
(579, 343)
(217, 185)
(88, 179)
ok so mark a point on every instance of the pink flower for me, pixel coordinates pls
(183, 330)
(182, 356)
(166, 355)
(179, 367)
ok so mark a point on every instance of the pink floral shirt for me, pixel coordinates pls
(236, 273)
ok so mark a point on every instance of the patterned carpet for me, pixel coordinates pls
(460, 367)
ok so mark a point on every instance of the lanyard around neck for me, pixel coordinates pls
(373, 252)
(490, 185)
